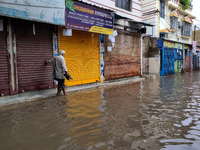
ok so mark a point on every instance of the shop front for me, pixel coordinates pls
(80, 39)
(167, 63)
(188, 58)
(196, 56)
(124, 59)
(24, 46)
(178, 56)
(33, 46)
(195, 61)
(26, 42)
(4, 68)
(171, 57)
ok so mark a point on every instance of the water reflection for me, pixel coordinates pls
(85, 119)
(152, 114)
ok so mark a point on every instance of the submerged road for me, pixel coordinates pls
(161, 114)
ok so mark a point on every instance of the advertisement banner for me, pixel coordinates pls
(194, 45)
(168, 44)
(178, 46)
(88, 18)
(186, 47)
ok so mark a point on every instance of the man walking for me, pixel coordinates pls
(60, 69)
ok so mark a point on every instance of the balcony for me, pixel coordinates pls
(177, 5)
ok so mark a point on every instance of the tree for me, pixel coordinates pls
(186, 4)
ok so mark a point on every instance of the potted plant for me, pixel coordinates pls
(186, 4)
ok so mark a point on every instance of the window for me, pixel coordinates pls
(174, 23)
(162, 35)
(186, 29)
(162, 9)
(124, 4)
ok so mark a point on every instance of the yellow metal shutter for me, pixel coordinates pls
(81, 55)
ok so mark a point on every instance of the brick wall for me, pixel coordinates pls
(124, 59)
(197, 37)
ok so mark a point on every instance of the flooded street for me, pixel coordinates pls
(162, 114)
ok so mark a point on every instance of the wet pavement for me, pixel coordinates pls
(162, 114)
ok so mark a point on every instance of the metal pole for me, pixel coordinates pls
(141, 55)
(183, 58)
(194, 31)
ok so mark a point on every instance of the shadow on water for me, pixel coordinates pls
(159, 114)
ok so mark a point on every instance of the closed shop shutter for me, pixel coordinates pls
(195, 62)
(188, 59)
(4, 75)
(32, 51)
(82, 56)
(124, 59)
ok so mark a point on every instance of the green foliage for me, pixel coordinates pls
(185, 3)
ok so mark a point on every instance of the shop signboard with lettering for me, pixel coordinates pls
(48, 11)
(84, 17)
(178, 46)
(168, 44)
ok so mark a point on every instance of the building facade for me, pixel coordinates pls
(102, 41)
(173, 28)
(26, 37)
(112, 50)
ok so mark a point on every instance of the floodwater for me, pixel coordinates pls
(162, 114)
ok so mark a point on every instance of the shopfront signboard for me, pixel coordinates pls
(168, 44)
(85, 17)
(46, 11)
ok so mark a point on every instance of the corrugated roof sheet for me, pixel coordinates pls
(116, 15)
(131, 20)
(85, 2)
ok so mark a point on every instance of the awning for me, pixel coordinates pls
(94, 5)
(181, 11)
(165, 31)
(175, 13)
(116, 15)
(186, 37)
(131, 20)
(187, 19)
(174, 30)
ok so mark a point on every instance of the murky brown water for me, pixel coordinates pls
(159, 114)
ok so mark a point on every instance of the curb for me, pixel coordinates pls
(47, 93)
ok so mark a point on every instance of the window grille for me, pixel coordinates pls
(174, 23)
(186, 29)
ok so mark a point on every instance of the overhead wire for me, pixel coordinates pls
(167, 19)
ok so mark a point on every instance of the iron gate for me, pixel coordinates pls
(167, 61)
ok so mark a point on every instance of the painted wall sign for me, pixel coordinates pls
(49, 11)
(178, 46)
(168, 44)
(88, 18)
(186, 47)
